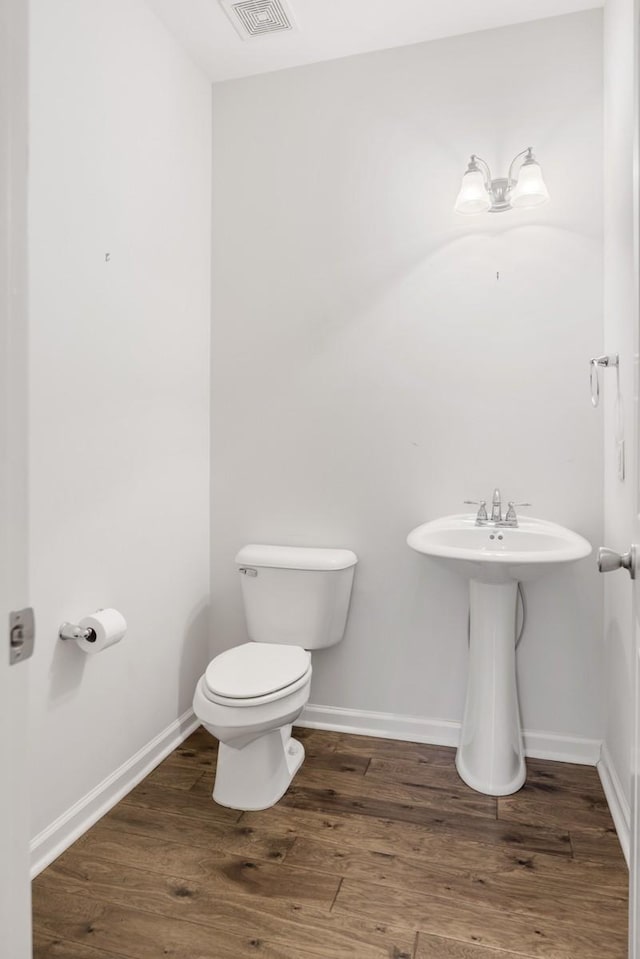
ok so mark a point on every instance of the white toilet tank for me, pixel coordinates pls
(296, 595)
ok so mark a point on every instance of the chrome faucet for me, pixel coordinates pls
(496, 507)
(510, 517)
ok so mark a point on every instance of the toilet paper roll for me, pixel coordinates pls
(109, 627)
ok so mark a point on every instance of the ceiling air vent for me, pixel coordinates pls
(256, 18)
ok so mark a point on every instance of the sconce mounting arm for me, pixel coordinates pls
(528, 153)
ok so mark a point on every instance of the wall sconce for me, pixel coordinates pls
(480, 193)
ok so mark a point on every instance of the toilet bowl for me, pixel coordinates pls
(296, 599)
(257, 756)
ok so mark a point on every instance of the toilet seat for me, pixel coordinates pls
(218, 700)
(256, 673)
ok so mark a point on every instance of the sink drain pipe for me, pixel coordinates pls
(521, 614)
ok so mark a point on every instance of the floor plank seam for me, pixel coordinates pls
(196, 783)
(337, 894)
(416, 943)
(292, 846)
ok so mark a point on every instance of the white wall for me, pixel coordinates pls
(620, 336)
(369, 369)
(120, 164)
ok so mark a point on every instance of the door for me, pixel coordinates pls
(634, 865)
(15, 911)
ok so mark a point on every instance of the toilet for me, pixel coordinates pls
(296, 599)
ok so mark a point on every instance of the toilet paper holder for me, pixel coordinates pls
(70, 631)
(96, 632)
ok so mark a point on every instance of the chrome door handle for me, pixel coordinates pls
(609, 560)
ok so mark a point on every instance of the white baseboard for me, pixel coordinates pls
(60, 834)
(413, 729)
(441, 732)
(562, 749)
(617, 800)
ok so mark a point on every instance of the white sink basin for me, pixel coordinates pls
(498, 554)
(490, 756)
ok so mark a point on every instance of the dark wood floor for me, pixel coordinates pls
(378, 851)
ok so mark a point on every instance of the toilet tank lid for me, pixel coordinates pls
(296, 557)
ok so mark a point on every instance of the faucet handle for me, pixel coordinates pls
(482, 508)
(510, 515)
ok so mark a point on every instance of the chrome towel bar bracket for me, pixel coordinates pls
(606, 361)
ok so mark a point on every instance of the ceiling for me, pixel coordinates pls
(328, 29)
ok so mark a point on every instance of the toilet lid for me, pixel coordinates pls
(256, 669)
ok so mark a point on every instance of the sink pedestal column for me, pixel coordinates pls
(490, 756)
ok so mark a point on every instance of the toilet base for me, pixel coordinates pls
(258, 775)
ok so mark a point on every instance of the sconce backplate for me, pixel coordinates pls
(498, 192)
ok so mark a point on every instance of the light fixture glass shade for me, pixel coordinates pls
(473, 196)
(530, 188)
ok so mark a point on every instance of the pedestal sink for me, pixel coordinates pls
(494, 559)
